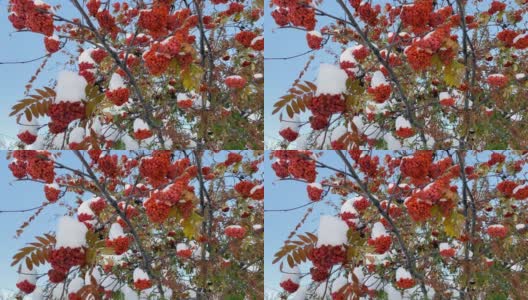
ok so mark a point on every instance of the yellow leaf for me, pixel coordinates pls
(453, 73)
(454, 224)
(191, 225)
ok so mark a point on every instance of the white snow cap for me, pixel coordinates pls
(402, 273)
(401, 122)
(293, 274)
(140, 274)
(29, 126)
(75, 285)
(116, 231)
(70, 87)
(84, 208)
(520, 226)
(256, 40)
(258, 76)
(331, 80)
(129, 293)
(96, 273)
(257, 227)
(139, 124)
(293, 123)
(315, 33)
(347, 56)
(77, 135)
(70, 233)
(444, 246)
(26, 274)
(378, 230)
(338, 283)
(519, 187)
(256, 188)
(86, 57)
(332, 231)
(316, 185)
(520, 36)
(520, 76)
(53, 186)
(444, 95)
(378, 79)
(116, 82)
(348, 206)
(181, 246)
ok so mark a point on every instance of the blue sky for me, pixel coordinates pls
(22, 46)
(280, 74)
(23, 195)
(278, 225)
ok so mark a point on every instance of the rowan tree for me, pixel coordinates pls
(418, 74)
(160, 74)
(406, 225)
(144, 225)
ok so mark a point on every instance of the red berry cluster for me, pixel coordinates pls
(417, 165)
(37, 164)
(52, 45)
(405, 283)
(184, 253)
(142, 134)
(98, 205)
(258, 193)
(52, 194)
(119, 244)
(497, 231)
(289, 134)
(232, 158)
(314, 40)
(417, 15)
(496, 6)
(295, 163)
(419, 209)
(157, 211)
(27, 137)
(507, 36)
(319, 274)
(245, 38)
(521, 193)
(326, 256)
(289, 286)
(108, 165)
(156, 167)
(56, 276)
(118, 96)
(496, 158)
(64, 258)
(325, 105)
(497, 80)
(155, 21)
(26, 14)
(449, 252)
(236, 232)
(244, 188)
(314, 192)
(63, 113)
(506, 187)
(26, 286)
(298, 13)
(381, 244)
(142, 284)
(235, 82)
(380, 93)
